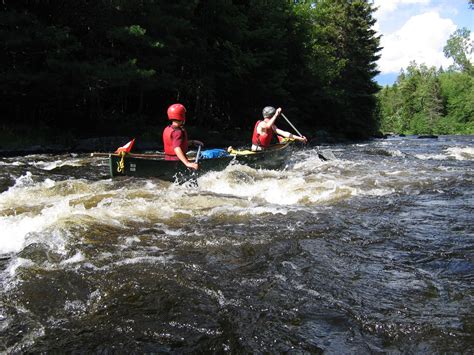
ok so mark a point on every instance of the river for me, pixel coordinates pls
(370, 252)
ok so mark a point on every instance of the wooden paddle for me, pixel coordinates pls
(320, 155)
(197, 154)
(291, 124)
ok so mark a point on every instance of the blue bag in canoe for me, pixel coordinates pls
(213, 153)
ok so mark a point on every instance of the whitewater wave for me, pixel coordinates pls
(431, 156)
(46, 165)
(14, 163)
(36, 209)
(461, 153)
(457, 153)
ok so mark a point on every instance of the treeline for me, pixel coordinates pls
(114, 66)
(426, 100)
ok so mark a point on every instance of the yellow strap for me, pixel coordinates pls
(240, 152)
(121, 163)
(233, 151)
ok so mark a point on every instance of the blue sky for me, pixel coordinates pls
(417, 30)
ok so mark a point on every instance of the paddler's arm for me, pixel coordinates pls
(180, 154)
(290, 135)
(272, 120)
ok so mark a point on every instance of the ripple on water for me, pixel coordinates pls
(368, 252)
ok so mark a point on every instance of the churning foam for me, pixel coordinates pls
(458, 153)
(431, 156)
(461, 153)
(45, 165)
(308, 182)
(16, 229)
(50, 211)
(275, 187)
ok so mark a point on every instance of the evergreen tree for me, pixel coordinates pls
(339, 64)
(457, 92)
(108, 67)
(359, 47)
(426, 101)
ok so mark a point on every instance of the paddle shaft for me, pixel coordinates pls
(291, 124)
(197, 154)
(320, 155)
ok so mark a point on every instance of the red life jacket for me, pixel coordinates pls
(168, 142)
(262, 140)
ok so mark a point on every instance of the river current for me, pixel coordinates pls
(370, 252)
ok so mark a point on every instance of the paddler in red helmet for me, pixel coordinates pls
(175, 138)
(264, 130)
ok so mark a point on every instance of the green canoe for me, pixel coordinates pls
(154, 165)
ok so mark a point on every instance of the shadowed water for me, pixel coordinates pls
(369, 252)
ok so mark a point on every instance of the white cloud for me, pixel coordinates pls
(385, 7)
(421, 38)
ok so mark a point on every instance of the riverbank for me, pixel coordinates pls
(12, 143)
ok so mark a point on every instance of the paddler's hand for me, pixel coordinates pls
(196, 142)
(278, 111)
(194, 166)
(303, 139)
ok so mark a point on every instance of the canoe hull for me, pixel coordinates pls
(156, 167)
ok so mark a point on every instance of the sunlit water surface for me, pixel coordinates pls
(368, 252)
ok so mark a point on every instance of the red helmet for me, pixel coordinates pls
(177, 112)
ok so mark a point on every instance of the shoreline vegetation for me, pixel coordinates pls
(95, 69)
(78, 76)
(426, 100)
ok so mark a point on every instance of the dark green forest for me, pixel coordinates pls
(105, 67)
(426, 100)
